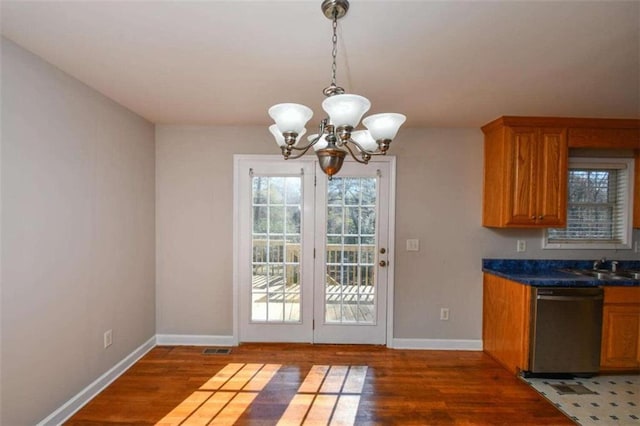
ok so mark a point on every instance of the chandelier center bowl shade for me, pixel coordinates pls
(336, 135)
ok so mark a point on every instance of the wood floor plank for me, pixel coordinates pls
(242, 377)
(260, 380)
(334, 380)
(346, 410)
(355, 379)
(321, 410)
(234, 409)
(217, 381)
(314, 379)
(400, 387)
(185, 409)
(296, 410)
(209, 409)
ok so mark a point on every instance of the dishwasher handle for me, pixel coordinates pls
(570, 298)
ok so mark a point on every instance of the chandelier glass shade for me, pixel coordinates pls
(336, 133)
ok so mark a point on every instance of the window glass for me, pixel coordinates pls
(598, 205)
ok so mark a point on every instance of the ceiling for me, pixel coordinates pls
(442, 63)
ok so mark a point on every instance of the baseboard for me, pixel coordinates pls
(438, 344)
(63, 413)
(193, 340)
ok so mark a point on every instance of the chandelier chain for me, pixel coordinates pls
(333, 88)
(334, 51)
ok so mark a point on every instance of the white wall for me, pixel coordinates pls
(78, 235)
(194, 199)
(439, 201)
(439, 197)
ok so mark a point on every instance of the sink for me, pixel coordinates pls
(634, 275)
(601, 275)
(605, 274)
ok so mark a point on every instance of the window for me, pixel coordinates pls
(600, 195)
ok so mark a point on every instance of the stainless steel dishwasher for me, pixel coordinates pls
(566, 329)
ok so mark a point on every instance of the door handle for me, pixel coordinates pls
(570, 298)
(382, 263)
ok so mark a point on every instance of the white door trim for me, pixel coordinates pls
(237, 158)
(392, 248)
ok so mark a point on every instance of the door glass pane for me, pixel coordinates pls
(276, 207)
(350, 285)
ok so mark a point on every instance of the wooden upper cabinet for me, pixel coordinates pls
(525, 180)
(604, 138)
(636, 192)
(526, 170)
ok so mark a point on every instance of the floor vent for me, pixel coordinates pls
(217, 351)
(572, 390)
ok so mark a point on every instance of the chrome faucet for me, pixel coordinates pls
(614, 266)
(599, 263)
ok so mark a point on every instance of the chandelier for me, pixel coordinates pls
(336, 134)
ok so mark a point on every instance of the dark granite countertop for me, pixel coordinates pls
(550, 273)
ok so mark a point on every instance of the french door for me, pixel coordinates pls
(312, 254)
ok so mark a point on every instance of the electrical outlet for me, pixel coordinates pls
(108, 338)
(521, 246)
(444, 314)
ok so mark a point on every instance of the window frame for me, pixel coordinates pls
(627, 208)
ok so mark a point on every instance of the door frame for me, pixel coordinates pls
(237, 159)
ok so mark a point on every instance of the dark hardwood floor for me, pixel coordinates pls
(262, 386)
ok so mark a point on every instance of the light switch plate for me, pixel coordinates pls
(413, 245)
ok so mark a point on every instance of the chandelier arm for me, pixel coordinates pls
(305, 148)
(362, 150)
(365, 155)
(303, 151)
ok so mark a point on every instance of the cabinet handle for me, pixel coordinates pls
(540, 217)
(533, 217)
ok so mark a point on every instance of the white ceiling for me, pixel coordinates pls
(443, 64)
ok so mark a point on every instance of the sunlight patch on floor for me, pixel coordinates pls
(224, 397)
(328, 395)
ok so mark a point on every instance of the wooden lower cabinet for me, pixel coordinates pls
(505, 322)
(621, 329)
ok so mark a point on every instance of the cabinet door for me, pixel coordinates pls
(636, 193)
(521, 194)
(505, 322)
(551, 205)
(620, 341)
